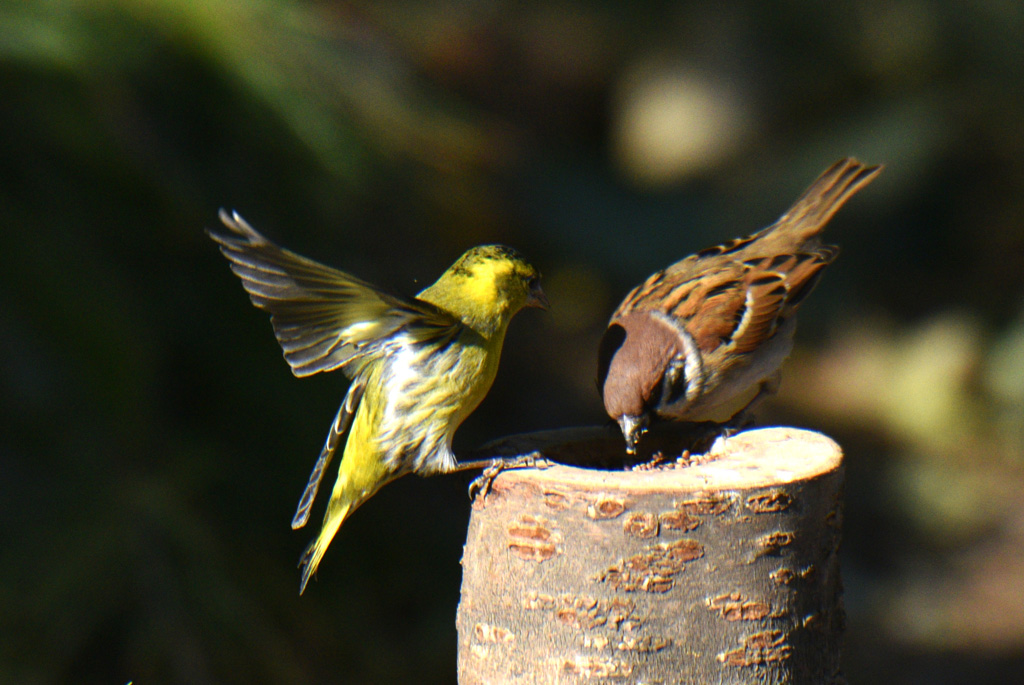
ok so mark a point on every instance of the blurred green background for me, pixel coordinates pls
(153, 443)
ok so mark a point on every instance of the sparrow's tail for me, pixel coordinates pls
(819, 203)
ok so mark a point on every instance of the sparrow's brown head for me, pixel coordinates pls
(634, 354)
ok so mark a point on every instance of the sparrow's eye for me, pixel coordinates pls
(533, 283)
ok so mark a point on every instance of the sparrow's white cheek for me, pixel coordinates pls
(687, 368)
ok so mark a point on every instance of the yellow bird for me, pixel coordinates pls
(418, 366)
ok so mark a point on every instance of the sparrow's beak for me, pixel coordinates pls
(536, 297)
(632, 428)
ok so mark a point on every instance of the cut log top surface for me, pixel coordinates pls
(720, 569)
(751, 459)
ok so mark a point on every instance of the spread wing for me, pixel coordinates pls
(323, 318)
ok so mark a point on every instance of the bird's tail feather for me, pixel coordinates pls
(341, 423)
(337, 512)
(823, 199)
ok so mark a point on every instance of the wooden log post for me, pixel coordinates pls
(718, 572)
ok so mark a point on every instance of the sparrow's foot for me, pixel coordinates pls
(739, 421)
(481, 485)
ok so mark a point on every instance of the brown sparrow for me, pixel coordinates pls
(708, 334)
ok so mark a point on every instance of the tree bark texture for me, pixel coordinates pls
(724, 571)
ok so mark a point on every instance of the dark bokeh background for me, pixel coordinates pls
(153, 443)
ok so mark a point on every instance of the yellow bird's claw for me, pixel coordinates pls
(481, 485)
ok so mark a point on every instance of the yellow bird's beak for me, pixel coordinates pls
(536, 297)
